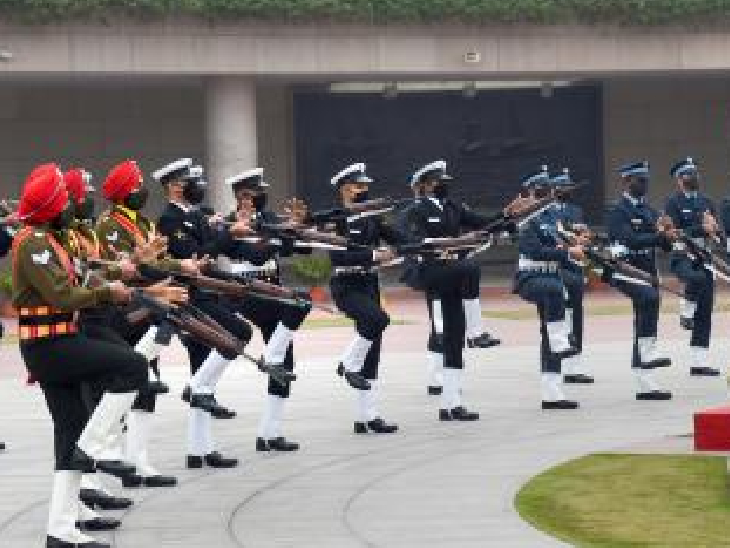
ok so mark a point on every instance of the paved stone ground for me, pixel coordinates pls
(433, 484)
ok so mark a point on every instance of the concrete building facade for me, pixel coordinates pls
(94, 94)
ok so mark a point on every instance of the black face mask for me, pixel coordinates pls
(259, 201)
(638, 187)
(85, 210)
(63, 220)
(193, 193)
(441, 191)
(541, 193)
(136, 199)
(361, 197)
(691, 184)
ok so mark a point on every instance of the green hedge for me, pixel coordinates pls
(635, 12)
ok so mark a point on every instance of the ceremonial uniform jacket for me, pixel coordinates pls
(189, 233)
(261, 260)
(45, 285)
(365, 231)
(686, 212)
(430, 218)
(538, 247)
(632, 225)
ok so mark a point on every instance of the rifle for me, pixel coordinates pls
(611, 266)
(353, 212)
(189, 319)
(704, 256)
(208, 332)
(310, 236)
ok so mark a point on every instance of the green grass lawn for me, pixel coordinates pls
(616, 500)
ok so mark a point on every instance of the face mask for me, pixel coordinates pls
(193, 193)
(64, 219)
(136, 199)
(638, 187)
(691, 184)
(541, 193)
(259, 201)
(440, 191)
(360, 197)
(85, 210)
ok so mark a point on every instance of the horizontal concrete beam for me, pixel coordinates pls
(323, 51)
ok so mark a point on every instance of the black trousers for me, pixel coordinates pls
(224, 313)
(472, 279)
(700, 288)
(266, 314)
(62, 364)
(435, 339)
(358, 297)
(575, 286)
(546, 291)
(448, 281)
(645, 301)
(111, 325)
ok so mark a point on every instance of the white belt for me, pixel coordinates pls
(269, 267)
(529, 265)
(352, 270)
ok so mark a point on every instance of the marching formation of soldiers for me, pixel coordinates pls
(100, 298)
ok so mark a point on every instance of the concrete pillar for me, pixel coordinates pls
(231, 137)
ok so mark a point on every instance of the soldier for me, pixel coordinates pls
(573, 276)
(445, 277)
(476, 335)
(47, 293)
(541, 257)
(190, 235)
(122, 230)
(636, 231)
(693, 213)
(276, 319)
(355, 288)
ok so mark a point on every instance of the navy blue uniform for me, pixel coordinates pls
(189, 233)
(261, 261)
(573, 275)
(449, 280)
(686, 211)
(632, 223)
(355, 286)
(540, 282)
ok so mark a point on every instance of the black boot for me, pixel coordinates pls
(186, 393)
(577, 378)
(194, 461)
(158, 387)
(458, 414)
(704, 372)
(379, 426)
(357, 381)
(282, 444)
(485, 340)
(52, 542)
(280, 375)
(100, 500)
(435, 390)
(262, 445)
(132, 480)
(99, 524)
(654, 395)
(560, 404)
(2, 446)
(116, 468)
(658, 362)
(216, 460)
(159, 481)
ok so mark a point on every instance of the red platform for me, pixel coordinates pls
(712, 429)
